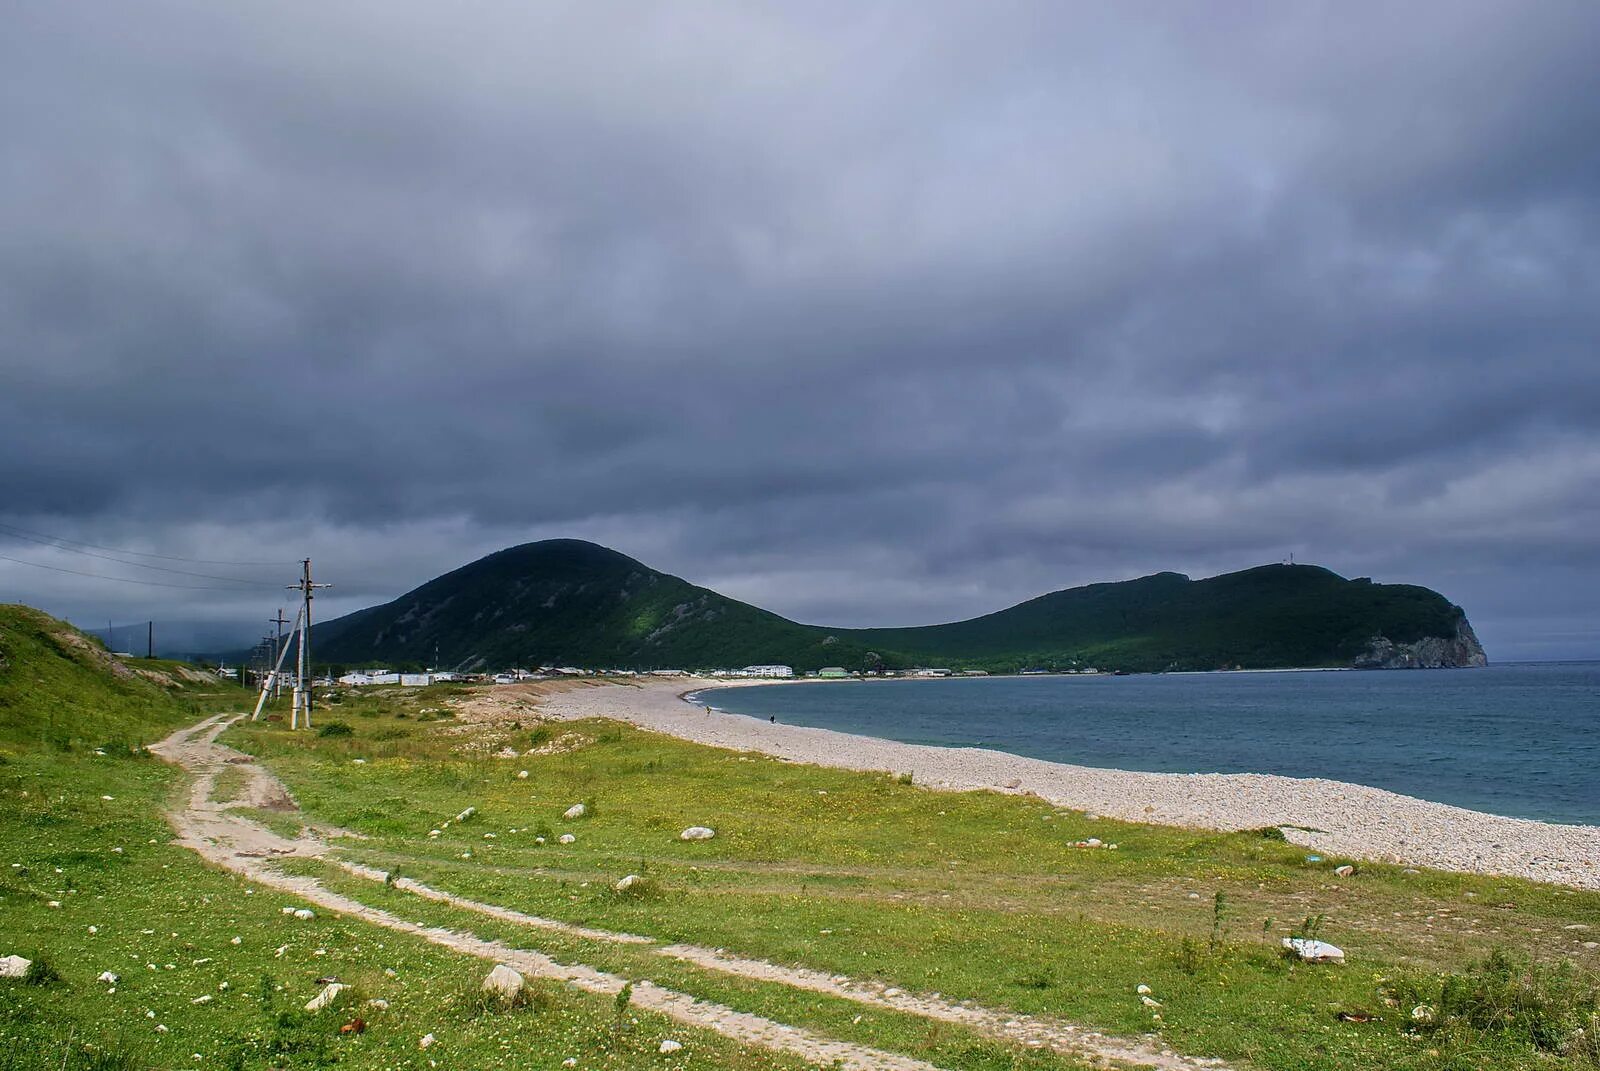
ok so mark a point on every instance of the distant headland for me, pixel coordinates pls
(569, 602)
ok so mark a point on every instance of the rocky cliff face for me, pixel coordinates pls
(1431, 652)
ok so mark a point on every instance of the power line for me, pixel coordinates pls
(137, 565)
(126, 580)
(135, 553)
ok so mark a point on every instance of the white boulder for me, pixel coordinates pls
(577, 810)
(427, 1041)
(566, 838)
(671, 1046)
(697, 833)
(329, 994)
(503, 983)
(462, 817)
(109, 977)
(1344, 871)
(627, 883)
(14, 967)
(1314, 951)
(304, 913)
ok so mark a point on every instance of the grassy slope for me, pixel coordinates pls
(975, 895)
(565, 601)
(166, 923)
(1273, 616)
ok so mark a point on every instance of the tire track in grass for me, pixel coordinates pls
(235, 843)
(1035, 1032)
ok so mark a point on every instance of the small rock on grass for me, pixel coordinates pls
(566, 838)
(1314, 951)
(671, 1046)
(503, 983)
(697, 833)
(329, 994)
(627, 883)
(14, 967)
(577, 810)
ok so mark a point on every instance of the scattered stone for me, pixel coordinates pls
(1149, 1002)
(1143, 990)
(671, 1046)
(109, 977)
(697, 833)
(427, 1041)
(566, 838)
(202, 1000)
(507, 753)
(1314, 951)
(378, 1003)
(571, 1061)
(435, 832)
(329, 994)
(522, 775)
(627, 883)
(462, 817)
(304, 913)
(14, 967)
(237, 941)
(279, 951)
(577, 810)
(53, 903)
(1344, 871)
(1092, 842)
(1422, 1014)
(503, 983)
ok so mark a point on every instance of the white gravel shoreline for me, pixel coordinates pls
(1349, 820)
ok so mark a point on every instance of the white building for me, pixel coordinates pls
(933, 673)
(768, 671)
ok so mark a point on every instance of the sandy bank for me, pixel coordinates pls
(1348, 820)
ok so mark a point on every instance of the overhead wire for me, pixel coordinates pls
(136, 565)
(128, 580)
(134, 553)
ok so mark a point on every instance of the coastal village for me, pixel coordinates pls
(383, 675)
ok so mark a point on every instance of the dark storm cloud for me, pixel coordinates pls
(869, 314)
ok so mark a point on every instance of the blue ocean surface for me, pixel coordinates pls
(1516, 739)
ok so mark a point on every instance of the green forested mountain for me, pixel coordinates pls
(568, 602)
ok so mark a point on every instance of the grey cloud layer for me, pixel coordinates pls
(872, 314)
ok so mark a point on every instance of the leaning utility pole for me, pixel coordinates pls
(302, 680)
(280, 621)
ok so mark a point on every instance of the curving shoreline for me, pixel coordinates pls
(1334, 817)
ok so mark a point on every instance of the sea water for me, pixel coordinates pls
(1515, 739)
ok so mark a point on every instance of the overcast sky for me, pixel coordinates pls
(871, 314)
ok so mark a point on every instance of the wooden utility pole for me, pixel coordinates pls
(302, 680)
(277, 647)
(150, 640)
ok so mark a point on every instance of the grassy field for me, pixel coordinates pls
(90, 883)
(977, 896)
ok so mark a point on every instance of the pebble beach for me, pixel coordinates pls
(1330, 817)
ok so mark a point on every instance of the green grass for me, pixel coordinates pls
(976, 895)
(133, 903)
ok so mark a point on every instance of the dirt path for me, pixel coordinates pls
(221, 835)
